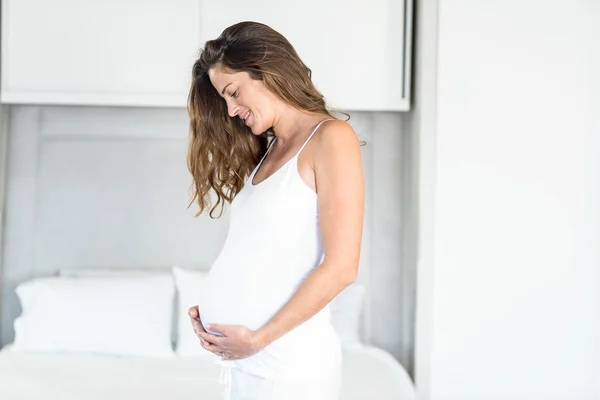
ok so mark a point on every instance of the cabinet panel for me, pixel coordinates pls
(355, 49)
(135, 52)
(98, 52)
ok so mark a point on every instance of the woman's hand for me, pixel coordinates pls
(199, 328)
(237, 341)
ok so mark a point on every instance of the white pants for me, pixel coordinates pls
(245, 386)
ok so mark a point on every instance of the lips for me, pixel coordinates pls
(245, 117)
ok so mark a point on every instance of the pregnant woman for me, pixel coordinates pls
(263, 139)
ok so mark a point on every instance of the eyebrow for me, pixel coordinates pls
(223, 91)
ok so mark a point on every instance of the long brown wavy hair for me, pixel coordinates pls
(223, 151)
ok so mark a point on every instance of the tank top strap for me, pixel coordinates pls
(265, 155)
(311, 135)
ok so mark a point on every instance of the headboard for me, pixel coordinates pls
(94, 187)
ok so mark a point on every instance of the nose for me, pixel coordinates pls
(232, 109)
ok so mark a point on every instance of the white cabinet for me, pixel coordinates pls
(109, 52)
(140, 52)
(358, 50)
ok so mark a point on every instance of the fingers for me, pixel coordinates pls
(210, 338)
(218, 349)
(194, 313)
(207, 341)
(195, 319)
(212, 348)
(198, 327)
(206, 345)
(221, 329)
(221, 351)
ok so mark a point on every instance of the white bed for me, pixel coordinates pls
(126, 335)
(368, 373)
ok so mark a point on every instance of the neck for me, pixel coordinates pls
(293, 124)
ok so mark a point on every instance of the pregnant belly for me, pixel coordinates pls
(246, 294)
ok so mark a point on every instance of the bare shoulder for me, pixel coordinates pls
(336, 137)
(337, 156)
(332, 156)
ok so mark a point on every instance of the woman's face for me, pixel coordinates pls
(246, 98)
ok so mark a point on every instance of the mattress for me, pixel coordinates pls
(368, 373)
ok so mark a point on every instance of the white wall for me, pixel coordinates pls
(3, 162)
(514, 271)
(107, 187)
(422, 125)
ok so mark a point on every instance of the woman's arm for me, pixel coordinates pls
(340, 190)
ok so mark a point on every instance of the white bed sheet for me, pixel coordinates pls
(368, 373)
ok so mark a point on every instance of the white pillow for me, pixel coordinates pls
(112, 315)
(189, 285)
(120, 271)
(346, 309)
(90, 272)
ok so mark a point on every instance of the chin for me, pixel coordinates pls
(256, 131)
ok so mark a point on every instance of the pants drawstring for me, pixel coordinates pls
(225, 379)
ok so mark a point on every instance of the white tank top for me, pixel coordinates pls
(273, 244)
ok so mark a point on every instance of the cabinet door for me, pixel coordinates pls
(355, 48)
(109, 52)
